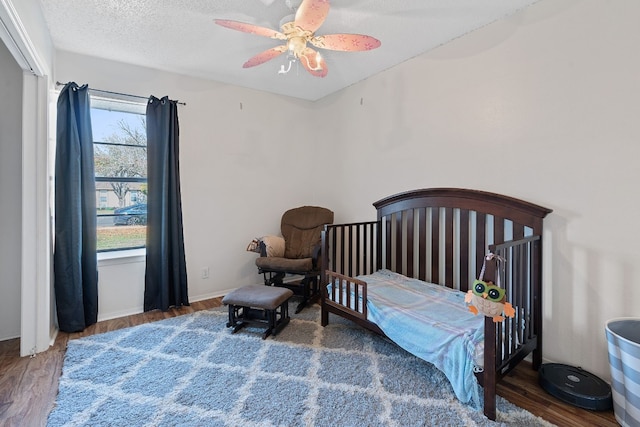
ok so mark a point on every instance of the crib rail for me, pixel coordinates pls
(347, 299)
(351, 249)
(514, 338)
(348, 250)
(347, 293)
(520, 278)
(438, 245)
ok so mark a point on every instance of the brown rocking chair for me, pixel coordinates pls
(301, 228)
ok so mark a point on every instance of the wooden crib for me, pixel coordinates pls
(442, 235)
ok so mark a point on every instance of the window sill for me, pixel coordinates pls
(121, 257)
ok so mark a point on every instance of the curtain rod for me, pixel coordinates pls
(118, 93)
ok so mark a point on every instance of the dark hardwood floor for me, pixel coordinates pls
(28, 386)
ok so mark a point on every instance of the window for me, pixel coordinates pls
(120, 158)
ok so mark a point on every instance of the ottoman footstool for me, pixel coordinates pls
(258, 305)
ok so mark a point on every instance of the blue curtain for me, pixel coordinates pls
(74, 260)
(166, 272)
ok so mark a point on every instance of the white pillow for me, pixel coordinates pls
(273, 244)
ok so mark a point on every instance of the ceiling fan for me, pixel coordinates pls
(308, 18)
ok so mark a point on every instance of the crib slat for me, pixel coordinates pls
(330, 260)
(422, 245)
(399, 239)
(498, 230)
(378, 246)
(376, 235)
(346, 256)
(464, 250)
(357, 262)
(366, 255)
(410, 235)
(518, 231)
(435, 245)
(387, 243)
(449, 250)
(340, 250)
(349, 231)
(481, 242)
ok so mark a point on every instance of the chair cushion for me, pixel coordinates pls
(301, 228)
(286, 265)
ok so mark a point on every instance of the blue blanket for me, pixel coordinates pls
(431, 322)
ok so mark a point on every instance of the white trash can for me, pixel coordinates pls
(623, 342)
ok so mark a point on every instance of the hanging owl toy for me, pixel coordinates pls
(487, 298)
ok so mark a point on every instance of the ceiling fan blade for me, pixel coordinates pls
(265, 56)
(251, 29)
(311, 14)
(313, 62)
(345, 42)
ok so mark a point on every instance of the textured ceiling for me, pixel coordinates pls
(180, 36)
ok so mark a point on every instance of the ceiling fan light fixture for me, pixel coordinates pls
(297, 31)
(296, 45)
(283, 70)
(317, 66)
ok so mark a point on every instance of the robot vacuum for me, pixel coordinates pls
(575, 386)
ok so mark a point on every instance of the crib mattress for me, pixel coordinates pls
(431, 322)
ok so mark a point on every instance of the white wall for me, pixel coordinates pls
(542, 106)
(10, 193)
(246, 157)
(121, 286)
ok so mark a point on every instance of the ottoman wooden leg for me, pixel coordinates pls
(280, 322)
(271, 319)
(235, 319)
(232, 316)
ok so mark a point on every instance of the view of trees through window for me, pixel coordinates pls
(120, 159)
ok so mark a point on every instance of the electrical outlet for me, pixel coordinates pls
(205, 273)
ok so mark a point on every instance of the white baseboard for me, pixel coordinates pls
(131, 312)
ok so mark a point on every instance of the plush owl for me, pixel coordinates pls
(490, 300)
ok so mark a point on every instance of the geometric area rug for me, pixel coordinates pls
(191, 371)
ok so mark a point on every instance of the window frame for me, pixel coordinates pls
(127, 106)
